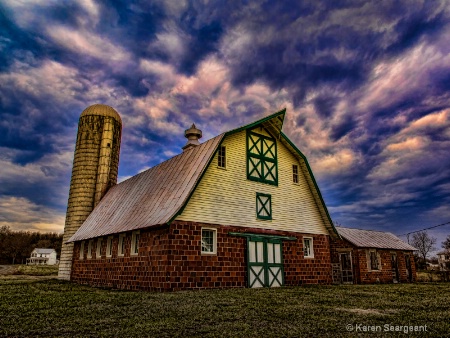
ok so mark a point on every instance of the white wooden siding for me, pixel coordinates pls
(226, 196)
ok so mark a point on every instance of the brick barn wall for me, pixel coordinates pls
(170, 259)
(359, 260)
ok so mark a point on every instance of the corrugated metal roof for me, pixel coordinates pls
(150, 198)
(43, 251)
(373, 239)
(157, 195)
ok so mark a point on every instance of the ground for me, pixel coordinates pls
(50, 307)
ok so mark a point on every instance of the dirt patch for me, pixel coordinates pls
(7, 269)
(368, 311)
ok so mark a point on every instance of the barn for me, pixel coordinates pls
(240, 210)
(368, 256)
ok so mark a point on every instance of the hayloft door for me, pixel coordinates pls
(394, 266)
(345, 259)
(265, 263)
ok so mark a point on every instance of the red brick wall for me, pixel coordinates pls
(359, 260)
(170, 259)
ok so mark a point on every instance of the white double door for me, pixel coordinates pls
(265, 263)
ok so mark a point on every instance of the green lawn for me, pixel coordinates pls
(56, 308)
(37, 270)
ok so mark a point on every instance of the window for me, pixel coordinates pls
(373, 260)
(82, 250)
(263, 206)
(109, 246)
(221, 158)
(261, 158)
(135, 243)
(209, 241)
(295, 173)
(121, 246)
(308, 250)
(99, 248)
(90, 245)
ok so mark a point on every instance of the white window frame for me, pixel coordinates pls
(225, 158)
(310, 254)
(214, 252)
(90, 245)
(109, 243)
(135, 237)
(121, 245)
(98, 249)
(81, 250)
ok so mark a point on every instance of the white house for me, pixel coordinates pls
(444, 260)
(42, 256)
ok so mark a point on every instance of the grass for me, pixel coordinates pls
(37, 270)
(53, 308)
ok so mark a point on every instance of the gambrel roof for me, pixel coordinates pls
(158, 195)
(373, 239)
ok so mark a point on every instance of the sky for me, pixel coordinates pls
(366, 85)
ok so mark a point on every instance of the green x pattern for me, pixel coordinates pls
(269, 148)
(264, 205)
(259, 276)
(255, 144)
(255, 166)
(261, 159)
(275, 276)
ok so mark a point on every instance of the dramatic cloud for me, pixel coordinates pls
(366, 86)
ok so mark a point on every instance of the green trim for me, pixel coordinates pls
(266, 267)
(264, 206)
(180, 211)
(268, 165)
(313, 180)
(262, 236)
(280, 115)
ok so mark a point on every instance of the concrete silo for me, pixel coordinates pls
(95, 170)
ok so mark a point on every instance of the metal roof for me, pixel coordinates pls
(150, 198)
(43, 251)
(157, 195)
(101, 110)
(373, 239)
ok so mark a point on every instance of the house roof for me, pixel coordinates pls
(158, 195)
(373, 239)
(43, 251)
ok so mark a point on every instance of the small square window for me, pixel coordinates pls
(109, 246)
(90, 245)
(263, 206)
(81, 250)
(121, 245)
(295, 173)
(99, 248)
(308, 250)
(209, 241)
(135, 242)
(221, 158)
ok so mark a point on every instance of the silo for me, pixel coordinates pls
(95, 170)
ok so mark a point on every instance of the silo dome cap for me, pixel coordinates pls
(101, 110)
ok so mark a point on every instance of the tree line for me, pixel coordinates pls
(16, 246)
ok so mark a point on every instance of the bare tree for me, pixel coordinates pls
(446, 244)
(424, 243)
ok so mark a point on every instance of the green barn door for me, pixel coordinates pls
(265, 263)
